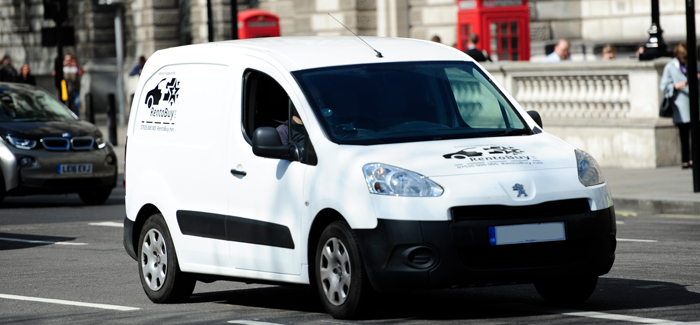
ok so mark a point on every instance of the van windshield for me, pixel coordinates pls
(403, 102)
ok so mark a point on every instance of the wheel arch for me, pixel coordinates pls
(145, 212)
(324, 218)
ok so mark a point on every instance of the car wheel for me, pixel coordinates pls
(160, 273)
(567, 290)
(340, 275)
(149, 102)
(95, 197)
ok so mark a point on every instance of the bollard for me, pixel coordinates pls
(89, 110)
(112, 119)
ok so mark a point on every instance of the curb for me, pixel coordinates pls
(657, 206)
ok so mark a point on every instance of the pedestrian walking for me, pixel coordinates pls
(25, 76)
(560, 53)
(72, 72)
(7, 71)
(136, 71)
(477, 55)
(674, 84)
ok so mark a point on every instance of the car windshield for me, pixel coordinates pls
(404, 102)
(31, 105)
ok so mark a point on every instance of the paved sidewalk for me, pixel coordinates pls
(665, 190)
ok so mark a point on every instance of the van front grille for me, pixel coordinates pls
(547, 209)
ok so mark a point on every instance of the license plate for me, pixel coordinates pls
(74, 169)
(530, 233)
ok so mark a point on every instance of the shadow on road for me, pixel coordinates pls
(612, 296)
(9, 241)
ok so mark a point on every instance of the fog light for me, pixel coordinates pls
(109, 160)
(27, 162)
(420, 257)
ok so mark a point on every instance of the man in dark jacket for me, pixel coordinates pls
(477, 55)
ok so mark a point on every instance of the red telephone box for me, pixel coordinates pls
(503, 27)
(254, 23)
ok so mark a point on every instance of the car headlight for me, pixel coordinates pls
(20, 143)
(589, 172)
(100, 142)
(390, 180)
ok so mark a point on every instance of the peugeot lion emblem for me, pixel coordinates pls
(520, 188)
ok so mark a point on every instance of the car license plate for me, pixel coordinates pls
(530, 233)
(74, 169)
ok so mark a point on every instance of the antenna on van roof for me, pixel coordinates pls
(379, 55)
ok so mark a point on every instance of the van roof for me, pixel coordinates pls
(308, 52)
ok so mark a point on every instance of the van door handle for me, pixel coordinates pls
(237, 172)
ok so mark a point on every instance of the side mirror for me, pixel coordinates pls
(536, 116)
(267, 143)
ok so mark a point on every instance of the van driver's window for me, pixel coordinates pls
(265, 103)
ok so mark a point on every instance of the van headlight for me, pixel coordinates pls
(20, 143)
(390, 180)
(589, 172)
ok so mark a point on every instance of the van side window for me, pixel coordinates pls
(265, 103)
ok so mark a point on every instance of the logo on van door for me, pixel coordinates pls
(160, 101)
(491, 155)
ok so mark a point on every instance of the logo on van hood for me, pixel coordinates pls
(491, 155)
(480, 151)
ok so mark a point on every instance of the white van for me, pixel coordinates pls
(316, 160)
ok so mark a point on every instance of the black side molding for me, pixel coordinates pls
(237, 229)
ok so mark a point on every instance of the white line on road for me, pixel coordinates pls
(250, 322)
(107, 224)
(593, 314)
(638, 240)
(42, 242)
(68, 302)
(620, 222)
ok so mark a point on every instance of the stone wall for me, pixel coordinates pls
(609, 109)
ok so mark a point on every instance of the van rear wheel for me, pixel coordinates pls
(161, 277)
(340, 276)
(567, 290)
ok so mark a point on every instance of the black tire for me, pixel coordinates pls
(95, 197)
(567, 290)
(161, 279)
(338, 261)
(149, 101)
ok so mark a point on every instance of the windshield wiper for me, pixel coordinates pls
(513, 132)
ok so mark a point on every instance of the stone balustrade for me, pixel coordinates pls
(608, 108)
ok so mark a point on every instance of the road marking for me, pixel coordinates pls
(68, 302)
(620, 222)
(250, 322)
(107, 224)
(626, 213)
(651, 286)
(593, 314)
(638, 240)
(679, 216)
(42, 242)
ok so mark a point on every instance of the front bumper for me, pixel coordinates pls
(408, 255)
(42, 176)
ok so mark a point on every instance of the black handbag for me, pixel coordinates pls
(666, 108)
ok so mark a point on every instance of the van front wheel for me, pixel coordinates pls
(161, 277)
(341, 279)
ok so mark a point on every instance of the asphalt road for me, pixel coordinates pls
(62, 262)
